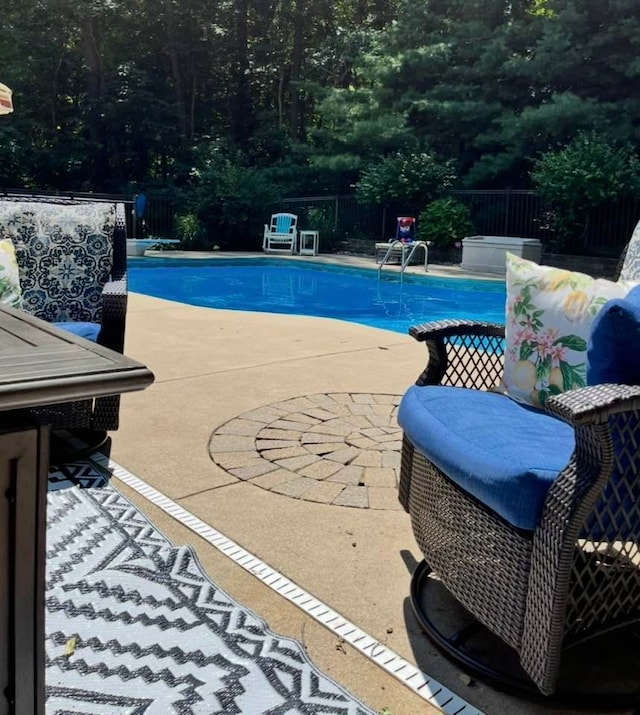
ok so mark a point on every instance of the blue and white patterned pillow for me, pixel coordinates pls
(64, 254)
(631, 266)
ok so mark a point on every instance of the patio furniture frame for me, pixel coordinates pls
(101, 414)
(541, 590)
(41, 364)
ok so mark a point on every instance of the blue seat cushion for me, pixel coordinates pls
(83, 330)
(502, 452)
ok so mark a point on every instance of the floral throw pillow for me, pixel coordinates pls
(10, 293)
(549, 316)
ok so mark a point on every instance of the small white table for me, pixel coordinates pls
(309, 243)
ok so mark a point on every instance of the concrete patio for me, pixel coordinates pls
(353, 550)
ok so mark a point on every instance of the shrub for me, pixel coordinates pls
(322, 219)
(582, 176)
(231, 200)
(190, 232)
(234, 201)
(404, 180)
(444, 222)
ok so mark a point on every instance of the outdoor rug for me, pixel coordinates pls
(135, 627)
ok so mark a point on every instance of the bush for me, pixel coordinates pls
(445, 222)
(582, 176)
(404, 180)
(322, 219)
(231, 200)
(190, 232)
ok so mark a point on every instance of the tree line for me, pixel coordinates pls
(230, 104)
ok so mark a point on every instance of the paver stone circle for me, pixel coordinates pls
(318, 448)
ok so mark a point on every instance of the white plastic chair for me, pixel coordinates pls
(281, 234)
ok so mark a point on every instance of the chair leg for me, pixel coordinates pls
(485, 656)
(74, 444)
(453, 644)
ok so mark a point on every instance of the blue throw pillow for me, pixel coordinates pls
(613, 350)
(613, 356)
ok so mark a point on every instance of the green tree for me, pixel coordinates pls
(229, 199)
(579, 61)
(112, 94)
(445, 222)
(404, 181)
(489, 83)
(451, 72)
(582, 176)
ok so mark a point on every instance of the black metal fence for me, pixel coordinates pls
(499, 213)
(343, 219)
(494, 212)
(525, 214)
(158, 218)
(338, 218)
(506, 212)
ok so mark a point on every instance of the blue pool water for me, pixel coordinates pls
(308, 288)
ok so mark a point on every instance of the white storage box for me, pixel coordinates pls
(486, 254)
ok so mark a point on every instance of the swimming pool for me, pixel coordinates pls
(310, 288)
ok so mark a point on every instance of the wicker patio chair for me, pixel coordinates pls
(576, 572)
(72, 261)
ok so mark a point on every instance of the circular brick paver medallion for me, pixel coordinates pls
(336, 448)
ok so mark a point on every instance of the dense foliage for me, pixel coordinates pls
(244, 100)
(406, 181)
(581, 177)
(445, 222)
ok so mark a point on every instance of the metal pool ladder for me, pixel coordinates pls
(406, 255)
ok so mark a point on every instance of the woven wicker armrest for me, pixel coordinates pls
(114, 297)
(114, 310)
(465, 353)
(593, 404)
(570, 594)
(449, 328)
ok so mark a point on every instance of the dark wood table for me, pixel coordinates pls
(39, 365)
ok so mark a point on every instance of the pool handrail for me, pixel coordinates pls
(414, 245)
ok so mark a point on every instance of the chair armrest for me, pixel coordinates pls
(114, 311)
(580, 501)
(593, 404)
(586, 507)
(572, 494)
(447, 328)
(461, 352)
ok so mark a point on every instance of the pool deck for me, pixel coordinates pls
(226, 379)
(341, 259)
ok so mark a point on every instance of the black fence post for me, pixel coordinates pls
(507, 210)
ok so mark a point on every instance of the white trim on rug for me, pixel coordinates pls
(422, 684)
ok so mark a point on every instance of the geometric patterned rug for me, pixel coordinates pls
(134, 626)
